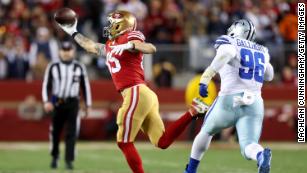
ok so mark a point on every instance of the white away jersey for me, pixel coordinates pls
(245, 71)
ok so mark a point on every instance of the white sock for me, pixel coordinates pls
(200, 145)
(252, 150)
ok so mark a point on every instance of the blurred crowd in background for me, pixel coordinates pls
(29, 37)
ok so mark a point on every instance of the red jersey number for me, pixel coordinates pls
(113, 63)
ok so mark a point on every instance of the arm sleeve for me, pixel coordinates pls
(224, 54)
(269, 72)
(136, 35)
(47, 83)
(85, 87)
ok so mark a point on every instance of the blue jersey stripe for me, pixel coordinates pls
(221, 42)
(222, 38)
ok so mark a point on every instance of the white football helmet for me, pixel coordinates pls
(243, 29)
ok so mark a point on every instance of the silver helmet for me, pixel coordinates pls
(243, 29)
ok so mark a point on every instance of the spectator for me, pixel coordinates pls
(288, 77)
(292, 62)
(266, 25)
(195, 15)
(174, 17)
(38, 19)
(39, 68)
(163, 73)
(18, 63)
(136, 7)
(171, 9)
(8, 47)
(30, 109)
(15, 56)
(288, 27)
(216, 26)
(3, 66)
(51, 5)
(154, 28)
(45, 45)
(88, 12)
(287, 115)
(288, 30)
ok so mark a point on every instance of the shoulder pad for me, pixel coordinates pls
(136, 35)
(224, 39)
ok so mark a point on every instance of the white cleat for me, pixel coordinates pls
(198, 108)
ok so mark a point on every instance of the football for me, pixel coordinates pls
(65, 16)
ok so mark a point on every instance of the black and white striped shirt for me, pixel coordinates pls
(64, 81)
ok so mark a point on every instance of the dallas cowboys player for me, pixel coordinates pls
(243, 65)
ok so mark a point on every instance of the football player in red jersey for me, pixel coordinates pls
(140, 109)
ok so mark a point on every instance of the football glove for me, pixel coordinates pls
(203, 90)
(119, 49)
(70, 29)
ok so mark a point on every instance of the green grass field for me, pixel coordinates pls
(106, 158)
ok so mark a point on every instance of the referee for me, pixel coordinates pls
(61, 91)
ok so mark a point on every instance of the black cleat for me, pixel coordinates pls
(54, 164)
(69, 165)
